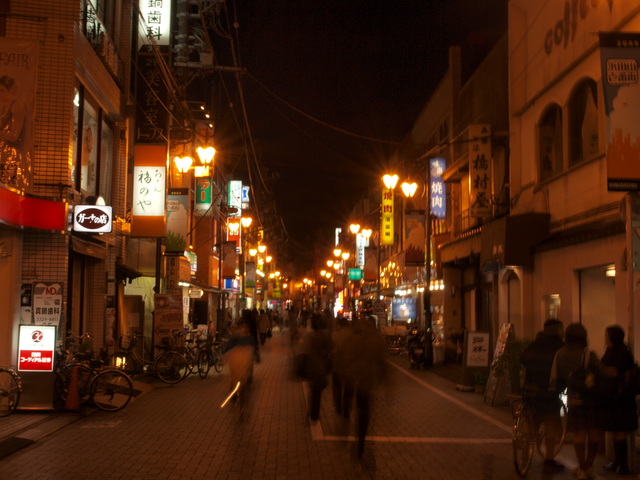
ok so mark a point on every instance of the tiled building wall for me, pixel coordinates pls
(50, 24)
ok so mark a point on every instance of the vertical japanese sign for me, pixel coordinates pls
(47, 303)
(235, 197)
(370, 264)
(152, 117)
(203, 200)
(619, 57)
(177, 220)
(36, 344)
(229, 260)
(479, 171)
(149, 180)
(157, 19)
(415, 238)
(386, 217)
(18, 73)
(437, 188)
(250, 275)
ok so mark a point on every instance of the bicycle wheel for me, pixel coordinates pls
(64, 377)
(522, 440)
(561, 433)
(111, 390)
(204, 363)
(9, 393)
(124, 361)
(171, 367)
(217, 360)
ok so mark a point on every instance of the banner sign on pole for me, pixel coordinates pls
(619, 58)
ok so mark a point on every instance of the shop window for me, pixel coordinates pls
(550, 142)
(93, 146)
(583, 123)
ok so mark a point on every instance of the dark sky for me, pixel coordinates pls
(319, 69)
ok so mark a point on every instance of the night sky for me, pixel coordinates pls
(321, 75)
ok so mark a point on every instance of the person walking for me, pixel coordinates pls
(316, 345)
(368, 369)
(537, 360)
(576, 367)
(341, 381)
(264, 325)
(619, 412)
(238, 353)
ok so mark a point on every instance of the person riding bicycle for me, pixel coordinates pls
(239, 352)
(537, 360)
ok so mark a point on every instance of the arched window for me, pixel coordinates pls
(550, 142)
(583, 123)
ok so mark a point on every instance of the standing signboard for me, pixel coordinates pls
(36, 350)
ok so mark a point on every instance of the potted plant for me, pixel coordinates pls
(479, 381)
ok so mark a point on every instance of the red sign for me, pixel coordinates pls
(25, 211)
(35, 360)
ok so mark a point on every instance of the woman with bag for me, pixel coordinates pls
(619, 413)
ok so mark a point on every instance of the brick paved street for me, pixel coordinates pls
(422, 427)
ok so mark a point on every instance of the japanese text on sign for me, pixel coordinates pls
(149, 191)
(479, 170)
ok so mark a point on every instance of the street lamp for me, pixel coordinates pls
(354, 228)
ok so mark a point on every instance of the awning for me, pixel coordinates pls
(90, 249)
(127, 272)
(509, 240)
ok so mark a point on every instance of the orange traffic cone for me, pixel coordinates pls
(73, 395)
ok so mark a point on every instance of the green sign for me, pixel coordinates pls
(355, 274)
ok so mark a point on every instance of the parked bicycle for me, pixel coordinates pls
(209, 355)
(106, 388)
(10, 390)
(170, 366)
(529, 432)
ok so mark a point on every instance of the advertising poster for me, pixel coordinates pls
(403, 309)
(177, 219)
(167, 316)
(415, 238)
(36, 346)
(47, 303)
(18, 80)
(619, 57)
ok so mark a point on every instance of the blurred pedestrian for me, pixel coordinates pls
(250, 317)
(578, 368)
(368, 369)
(341, 382)
(537, 360)
(264, 325)
(619, 413)
(238, 353)
(316, 345)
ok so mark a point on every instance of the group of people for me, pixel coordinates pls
(349, 356)
(599, 395)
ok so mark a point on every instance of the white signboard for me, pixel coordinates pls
(477, 346)
(92, 218)
(149, 191)
(47, 303)
(36, 346)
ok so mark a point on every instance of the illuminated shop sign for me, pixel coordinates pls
(157, 18)
(92, 218)
(437, 188)
(36, 345)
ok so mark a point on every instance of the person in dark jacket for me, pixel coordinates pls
(619, 412)
(317, 346)
(537, 359)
